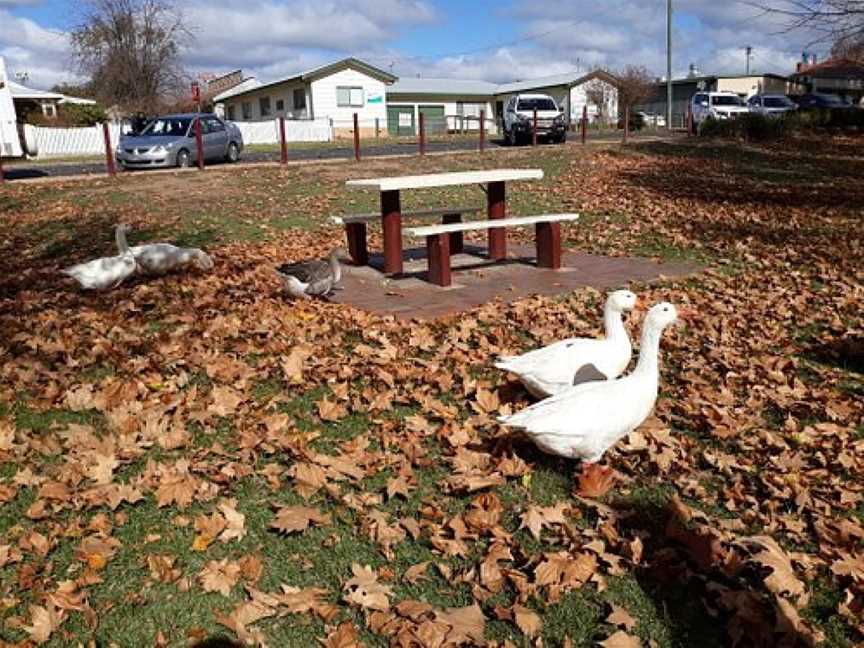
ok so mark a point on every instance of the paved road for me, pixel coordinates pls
(35, 169)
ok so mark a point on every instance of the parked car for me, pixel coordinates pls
(637, 121)
(653, 120)
(771, 105)
(169, 141)
(715, 105)
(816, 100)
(519, 119)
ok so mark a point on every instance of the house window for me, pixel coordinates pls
(349, 97)
(247, 110)
(49, 110)
(280, 105)
(230, 113)
(300, 99)
(264, 105)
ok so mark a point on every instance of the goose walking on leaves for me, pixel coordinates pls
(107, 272)
(584, 421)
(313, 278)
(554, 368)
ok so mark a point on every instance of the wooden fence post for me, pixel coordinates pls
(422, 139)
(584, 123)
(356, 138)
(199, 144)
(283, 143)
(109, 154)
(534, 130)
(482, 130)
(626, 122)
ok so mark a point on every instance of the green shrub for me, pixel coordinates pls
(753, 127)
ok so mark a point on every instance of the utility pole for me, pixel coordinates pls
(669, 64)
(747, 52)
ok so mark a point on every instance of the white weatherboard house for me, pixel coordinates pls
(596, 90)
(453, 104)
(333, 92)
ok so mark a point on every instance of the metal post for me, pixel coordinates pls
(422, 140)
(534, 130)
(482, 130)
(199, 144)
(584, 123)
(669, 65)
(109, 154)
(626, 122)
(377, 129)
(356, 138)
(282, 142)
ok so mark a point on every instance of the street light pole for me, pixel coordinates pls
(669, 64)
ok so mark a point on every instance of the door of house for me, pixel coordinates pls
(433, 119)
(400, 120)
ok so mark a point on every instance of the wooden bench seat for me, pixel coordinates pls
(547, 238)
(355, 227)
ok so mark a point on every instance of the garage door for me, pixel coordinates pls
(400, 120)
(433, 119)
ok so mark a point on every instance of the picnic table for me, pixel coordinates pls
(391, 210)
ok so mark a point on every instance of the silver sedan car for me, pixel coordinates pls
(169, 141)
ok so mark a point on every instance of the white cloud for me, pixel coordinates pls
(29, 48)
(18, 3)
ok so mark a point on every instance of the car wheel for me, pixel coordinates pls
(233, 154)
(184, 160)
(562, 139)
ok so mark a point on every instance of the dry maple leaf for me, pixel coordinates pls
(225, 400)
(621, 617)
(219, 576)
(486, 402)
(782, 578)
(235, 521)
(43, 622)
(291, 519)
(595, 480)
(365, 590)
(308, 478)
(537, 517)
(467, 624)
(527, 620)
(621, 640)
(330, 411)
(344, 636)
(245, 615)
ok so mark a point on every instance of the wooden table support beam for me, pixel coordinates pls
(391, 224)
(456, 244)
(438, 249)
(496, 197)
(357, 248)
(548, 237)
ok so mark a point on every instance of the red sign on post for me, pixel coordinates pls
(196, 92)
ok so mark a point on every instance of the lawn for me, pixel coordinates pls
(196, 457)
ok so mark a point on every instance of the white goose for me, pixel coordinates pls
(107, 272)
(554, 368)
(584, 421)
(156, 259)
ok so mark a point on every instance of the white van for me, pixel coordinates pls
(717, 105)
(10, 143)
(519, 119)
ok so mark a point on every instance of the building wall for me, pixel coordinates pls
(282, 92)
(454, 106)
(324, 101)
(559, 93)
(607, 113)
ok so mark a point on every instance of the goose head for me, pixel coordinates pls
(202, 260)
(662, 315)
(621, 300)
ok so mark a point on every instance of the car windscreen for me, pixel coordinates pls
(832, 99)
(537, 104)
(726, 100)
(777, 102)
(168, 127)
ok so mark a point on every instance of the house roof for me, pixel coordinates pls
(19, 91)
(833, 69)
(422, 86)
(568, 79)
(310, 75)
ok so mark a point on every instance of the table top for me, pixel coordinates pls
(445, 179)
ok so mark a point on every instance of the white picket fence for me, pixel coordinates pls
(74, 142)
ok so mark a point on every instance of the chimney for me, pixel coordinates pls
(694, 71)
(799, 66)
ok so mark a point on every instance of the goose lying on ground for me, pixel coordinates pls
(107, 272)
(560, 365)
(583, 421)
(315, 277)
(156, 259)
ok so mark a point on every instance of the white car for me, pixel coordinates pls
(653, 119)
(519, 119)
(716, 105)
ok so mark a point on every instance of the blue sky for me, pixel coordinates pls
(496, 40)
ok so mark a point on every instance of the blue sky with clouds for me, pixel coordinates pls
(497, 40)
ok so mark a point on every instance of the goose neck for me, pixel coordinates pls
(649, 351)
(613, 323)
(335, 267)
(120, 238)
